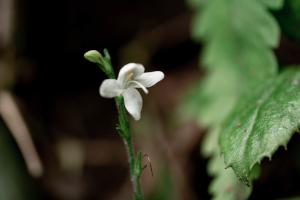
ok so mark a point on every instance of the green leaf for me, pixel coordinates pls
(248, 59)
(262, 121)
(226, 186)
(244, 19)
(213, 14)
(238, 37)
(210, 142)
(211, 100)
(206, 101)
(273, 4)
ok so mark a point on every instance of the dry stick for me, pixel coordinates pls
(8, 107)
(17, 126)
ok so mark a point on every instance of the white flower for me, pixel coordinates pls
(130, 77)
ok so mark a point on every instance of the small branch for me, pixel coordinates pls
(16, 124)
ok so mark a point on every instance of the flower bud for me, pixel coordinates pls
(93, 56)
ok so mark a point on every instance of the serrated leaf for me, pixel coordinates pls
(229, 51)
(204, 101)
(210, 142)
(213, 14)
(226, 186)
(238, 37)
(213, 98)
(248, 20)
(262, 121)
(261, 25)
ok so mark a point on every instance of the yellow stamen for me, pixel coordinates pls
(129, 76)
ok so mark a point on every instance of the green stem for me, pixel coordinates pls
(124, 131)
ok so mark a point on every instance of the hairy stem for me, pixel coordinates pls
(124, 132)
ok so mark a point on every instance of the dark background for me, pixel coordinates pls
(73, 128)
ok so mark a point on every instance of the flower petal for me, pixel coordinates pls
(110, 88)
(133, 102)
(125, 72)
(150, 78)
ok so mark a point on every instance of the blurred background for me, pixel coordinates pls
(57, 135)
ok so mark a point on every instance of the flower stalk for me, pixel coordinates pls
(134, 161)
(123, 127)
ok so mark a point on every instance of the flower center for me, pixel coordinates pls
(130, 82)
(129, 76)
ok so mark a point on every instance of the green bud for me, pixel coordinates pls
(93, 56)
(103, 63)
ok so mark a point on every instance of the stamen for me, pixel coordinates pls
(129, 76)
(140, 85)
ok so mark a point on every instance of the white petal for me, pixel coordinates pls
(133, 102)
(110, 88)
(134, 68)
(150, 78)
